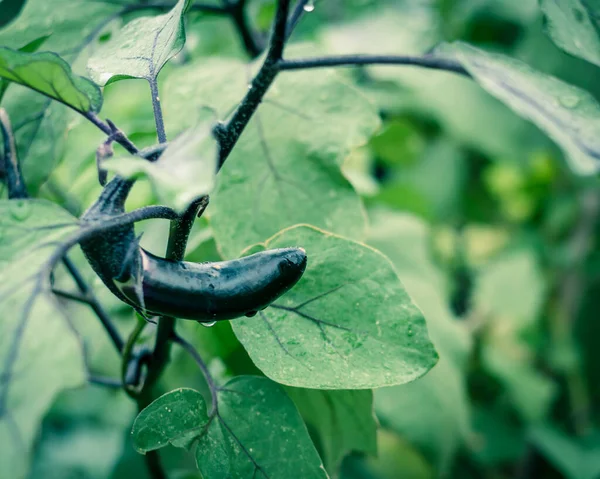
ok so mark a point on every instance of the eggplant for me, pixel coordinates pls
(215, 291)
(204, 292)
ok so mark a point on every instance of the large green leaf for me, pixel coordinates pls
(258, 432)
(343, 420)
(184, 172)
(349, 311)
(285, 168)
(141, 48)
(253, 431)
(40, 354)
(567, 114)
(574, 25)
(50, 75)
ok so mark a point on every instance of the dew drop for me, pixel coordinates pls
(209, 325)
(409, 332)
(569, 101)
(310, 6)
(20, 209)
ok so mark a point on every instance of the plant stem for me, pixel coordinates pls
(178, 236)
(228, 134)
(295, 17)
(158, 115)
(239, 18)
(425, 61)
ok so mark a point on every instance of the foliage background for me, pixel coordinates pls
(475, 207)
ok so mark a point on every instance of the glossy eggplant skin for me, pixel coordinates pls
(208, 292)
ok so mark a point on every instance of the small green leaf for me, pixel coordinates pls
(258, 432)
(574, 25)
(567, 114)
(141, 48)
(33, 370)
(184, 172)
(344, 421)
(176, 417)
(349, 311)
(50, 75)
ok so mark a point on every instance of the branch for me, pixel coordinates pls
(228, 134)
(237, 12)
(425, 61)
(111, 130)
(296, 16)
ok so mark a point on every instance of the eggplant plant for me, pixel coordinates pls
(315, 304)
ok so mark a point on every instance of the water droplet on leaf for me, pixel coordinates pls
(20, 209)
(310, 6)
(208, 325)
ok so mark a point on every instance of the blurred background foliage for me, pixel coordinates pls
(494, 238)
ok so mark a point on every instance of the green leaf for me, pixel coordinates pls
(349, 311)
(50, 75)
(184, 172)
(65, 22)
(344, 421)
(567, 114)
(431, 413)
(176, 417)
(575, 459)
(33, 370)
(285, 168)
(141, 48)
(68, 27)
(258, 432)
(574, 25)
